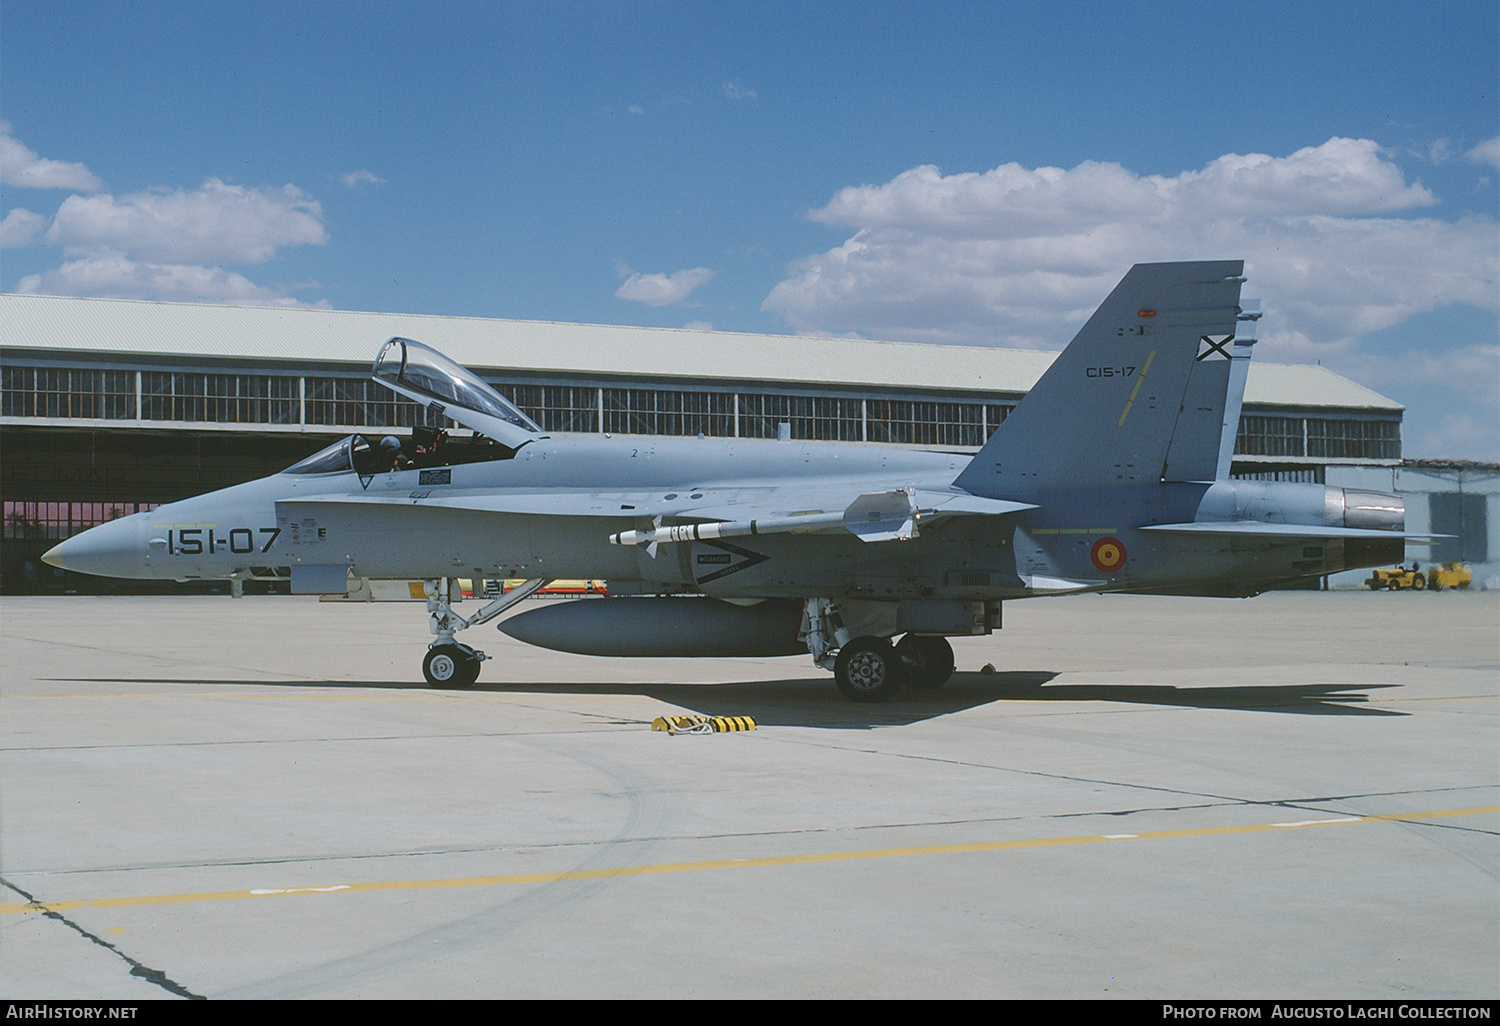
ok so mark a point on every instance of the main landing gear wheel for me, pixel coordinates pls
(926, 661)
(868, 670)
(450, 666)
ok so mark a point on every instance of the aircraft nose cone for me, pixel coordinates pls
(114, 549)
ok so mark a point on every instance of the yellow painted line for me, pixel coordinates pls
(1138, 382)
(620, 872)
(418, 696)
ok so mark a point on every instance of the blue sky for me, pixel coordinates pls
(966, 173)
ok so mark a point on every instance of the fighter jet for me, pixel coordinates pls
(1111, 475)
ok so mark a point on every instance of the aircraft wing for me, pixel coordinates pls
(871, 516)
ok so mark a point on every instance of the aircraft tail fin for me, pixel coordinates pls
(1140, 395)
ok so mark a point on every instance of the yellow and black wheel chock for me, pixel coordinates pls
(702, 724)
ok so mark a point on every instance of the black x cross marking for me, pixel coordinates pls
(1216, 347)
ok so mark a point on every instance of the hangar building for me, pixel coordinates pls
(111, 406)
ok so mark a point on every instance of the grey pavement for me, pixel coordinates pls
(1294, 796)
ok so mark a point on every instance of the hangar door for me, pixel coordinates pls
(1463, 515)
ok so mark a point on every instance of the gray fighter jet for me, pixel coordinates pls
(1111, 475)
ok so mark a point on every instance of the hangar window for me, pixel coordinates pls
(656, 411)
(994, 416)
(68, 392)
(557, 408)
(812, 417)
(53, 521)
(360, 402)
(1297, 473)
(1269, 436)
(925, 423)
(1354, 439)
(218, 398)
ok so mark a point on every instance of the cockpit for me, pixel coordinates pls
(422, 449)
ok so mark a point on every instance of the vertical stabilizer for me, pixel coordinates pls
(1138, 396)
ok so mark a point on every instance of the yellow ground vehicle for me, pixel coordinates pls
(1449, 575)
(1397, 579)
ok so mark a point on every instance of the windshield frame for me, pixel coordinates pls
(333, 459)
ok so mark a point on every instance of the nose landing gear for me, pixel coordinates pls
(449, 664)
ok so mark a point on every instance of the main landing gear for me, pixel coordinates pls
(449, 664)
(868, 670)
(871, 669)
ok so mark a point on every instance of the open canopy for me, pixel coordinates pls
(426, 376)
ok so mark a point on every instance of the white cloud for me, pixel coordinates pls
(1471, 372)
(215, 224)
(117, 277)
(699, 326)
(1018, 256)
(1487, 152)
(1336, 242)
(663, 289)
(19, 228)
(354, 179)
(735, 91)
(170, 244)
(20, 166)
(1456, 436)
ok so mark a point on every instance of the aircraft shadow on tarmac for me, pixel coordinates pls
(800, 702)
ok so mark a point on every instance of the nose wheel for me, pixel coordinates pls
(451, 666)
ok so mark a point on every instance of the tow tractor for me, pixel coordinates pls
(1397, 579)
(1448, 575)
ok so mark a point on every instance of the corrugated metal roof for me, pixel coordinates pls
(282, 336)
(1303, 385)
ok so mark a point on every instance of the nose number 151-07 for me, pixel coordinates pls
(190, 541)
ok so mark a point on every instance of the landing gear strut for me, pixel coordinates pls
(449, 664)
